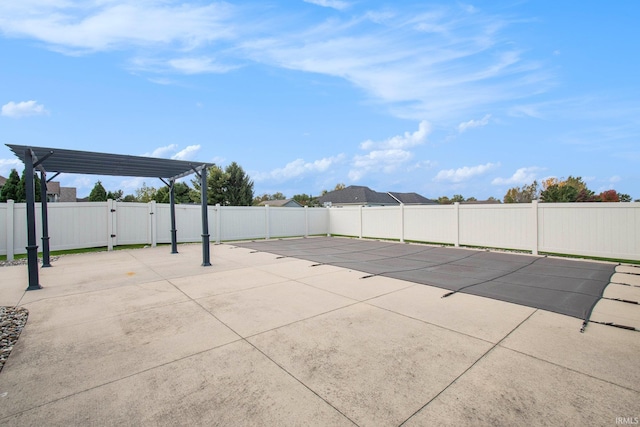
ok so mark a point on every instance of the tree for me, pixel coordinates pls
(524, 194)
(444, 200)
(216, 185)
(339, 186)
(624, 197)
(116, 195)
(239, 186)
(21, 194)
(573, 189)
(10, 189)
(129, 198)
(305, 199)
(457, 198)
(229, 187)
(145, 194)
(181, 192)
(609, 196)
(98, 193)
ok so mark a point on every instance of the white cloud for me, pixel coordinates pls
(386, 161)
(464, 173)
(199, 65)
(96, 26)
(162, 151)
(401, 141)
(614, 179)
(521, 176)
(299, 167)
(23, 109)
(335, 4)
(187, 153)
(438, 62)
(388, 155)
(7, 164)
(171, 151)
(474, 123)
(435, 62)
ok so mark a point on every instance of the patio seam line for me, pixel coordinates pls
(432, 324)
(410, 285)
(485, 354)
(113, 316)
(245, 339)
(300, 382)
(120, 379)
(569, 369)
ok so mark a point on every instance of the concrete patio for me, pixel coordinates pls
(144, 337)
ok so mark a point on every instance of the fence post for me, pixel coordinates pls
(10, 230)
(328, 221)
(306, 221)
(111, 213)
(153, 223)
(456, 211)
(401, 222)
(360, 212)
(218, 222)
(534, 207)
(267, 222)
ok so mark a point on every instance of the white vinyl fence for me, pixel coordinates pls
(609, 230)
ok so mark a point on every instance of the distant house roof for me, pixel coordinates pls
(357, 195)
(286, 203)
(412, 199)
(53, 187)
(2, 181)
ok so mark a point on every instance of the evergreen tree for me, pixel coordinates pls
(239, 186)
(98, 193)
(116, 195)
(21, 194)
(229, 187)
(10, 189)
(181, 191)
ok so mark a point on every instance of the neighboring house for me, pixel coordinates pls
(285, 203)
(2, 181)
(356, 195)
(56, 193)
(412, 199)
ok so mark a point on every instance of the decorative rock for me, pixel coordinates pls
(12, 321)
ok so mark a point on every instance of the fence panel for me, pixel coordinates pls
(133, 223)
(286, 222)
(610, 230)
(318, 221)
(74, 225)
(344, 221)
(382, 222)
(508, 226)
(245, 222)
(433, 224)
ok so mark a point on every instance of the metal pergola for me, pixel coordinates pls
(57, 161)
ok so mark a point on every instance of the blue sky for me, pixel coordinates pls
(440, 98)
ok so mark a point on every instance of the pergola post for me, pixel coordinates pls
(46, 262)
(205, 217)
(172, 206)
(32, 247)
